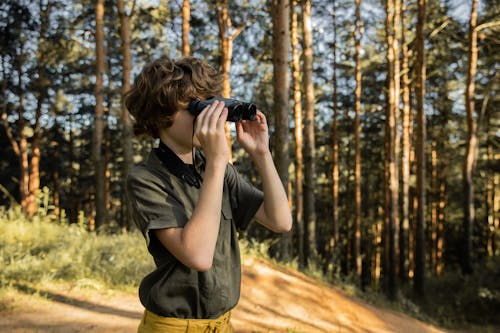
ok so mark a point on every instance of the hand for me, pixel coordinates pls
(209, 130)
(253, 135)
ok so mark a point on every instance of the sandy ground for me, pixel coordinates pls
(272, 300)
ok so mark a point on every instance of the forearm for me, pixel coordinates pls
(199, 236)
(194, 244)
(276, 208)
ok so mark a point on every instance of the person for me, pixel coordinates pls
(190, 202)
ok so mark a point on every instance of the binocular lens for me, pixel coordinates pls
(237, 110)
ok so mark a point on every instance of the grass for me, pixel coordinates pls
(41, 250)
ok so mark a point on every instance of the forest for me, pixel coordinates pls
(384, 123)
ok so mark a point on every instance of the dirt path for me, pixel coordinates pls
(272, 300)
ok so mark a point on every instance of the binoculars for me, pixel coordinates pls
(238, 110)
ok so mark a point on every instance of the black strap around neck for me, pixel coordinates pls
(177, 167)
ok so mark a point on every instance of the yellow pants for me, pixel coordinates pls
(152, 323)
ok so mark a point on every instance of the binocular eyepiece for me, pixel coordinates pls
(238, 110)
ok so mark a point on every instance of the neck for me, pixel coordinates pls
(184, 153)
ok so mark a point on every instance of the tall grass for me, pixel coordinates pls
(40, 249)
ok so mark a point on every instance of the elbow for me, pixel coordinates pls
(201, 264)
(285, 225)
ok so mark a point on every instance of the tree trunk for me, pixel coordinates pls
(310, 149)
(56, 191)
(335, 147)
(299, 161)
(441, 217)
(128, 153)
(434, 207)
(19, 147)
(471, 144)
(419, 280)
(186, 16)
(34, 164)
(23, 154)
(226, 41)
(107, 170)
(392, 147)
(100, 204)
(496, 215)
(34, 177)
(405, 159)
(23, 141)
(281, 45)
(358, 34)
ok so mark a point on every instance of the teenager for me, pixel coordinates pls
(189, 202)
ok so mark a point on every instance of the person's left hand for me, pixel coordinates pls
(253, 135)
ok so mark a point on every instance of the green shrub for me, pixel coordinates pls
(37, 250)
(455, 299)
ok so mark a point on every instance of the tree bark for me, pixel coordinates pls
(441, 217)
(281, 45)
(358, 34)
(335, 146)
(433, 196)
(128, 152)
(34, 176)
(299, 159)
(419, 279)
(405, 159)
(186, 15)
(309, 140)
(99, 199)
(23, 144)
(471, 143)
(226, 44)
(392, 147)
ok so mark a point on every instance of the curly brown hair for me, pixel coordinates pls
(166, 86)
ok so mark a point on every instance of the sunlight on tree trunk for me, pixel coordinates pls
(299, 160)
(471, 143)
(392, 148)
(226, 46)
(281, 45)
(186, 15)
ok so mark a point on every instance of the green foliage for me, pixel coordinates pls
(40, 250)
(455, 299)
(253, 248)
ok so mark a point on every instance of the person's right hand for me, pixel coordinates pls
(209, 130)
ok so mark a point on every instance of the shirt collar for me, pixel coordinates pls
(164, 158)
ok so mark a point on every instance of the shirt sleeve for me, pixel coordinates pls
(245, 198)
(152, 207)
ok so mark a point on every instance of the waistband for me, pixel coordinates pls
(195, 325)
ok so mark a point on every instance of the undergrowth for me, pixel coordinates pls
(42, 250)
(38, 250)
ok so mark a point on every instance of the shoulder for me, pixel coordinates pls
(145, 175)
(140, 173)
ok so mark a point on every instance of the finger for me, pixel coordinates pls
(201, 117)
(261, 117)
(204, 116)
(239, 129)
(222, 118)
(215, 115)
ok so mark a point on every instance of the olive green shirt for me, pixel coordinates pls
(159, 199)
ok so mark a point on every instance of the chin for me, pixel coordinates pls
(196, 143)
